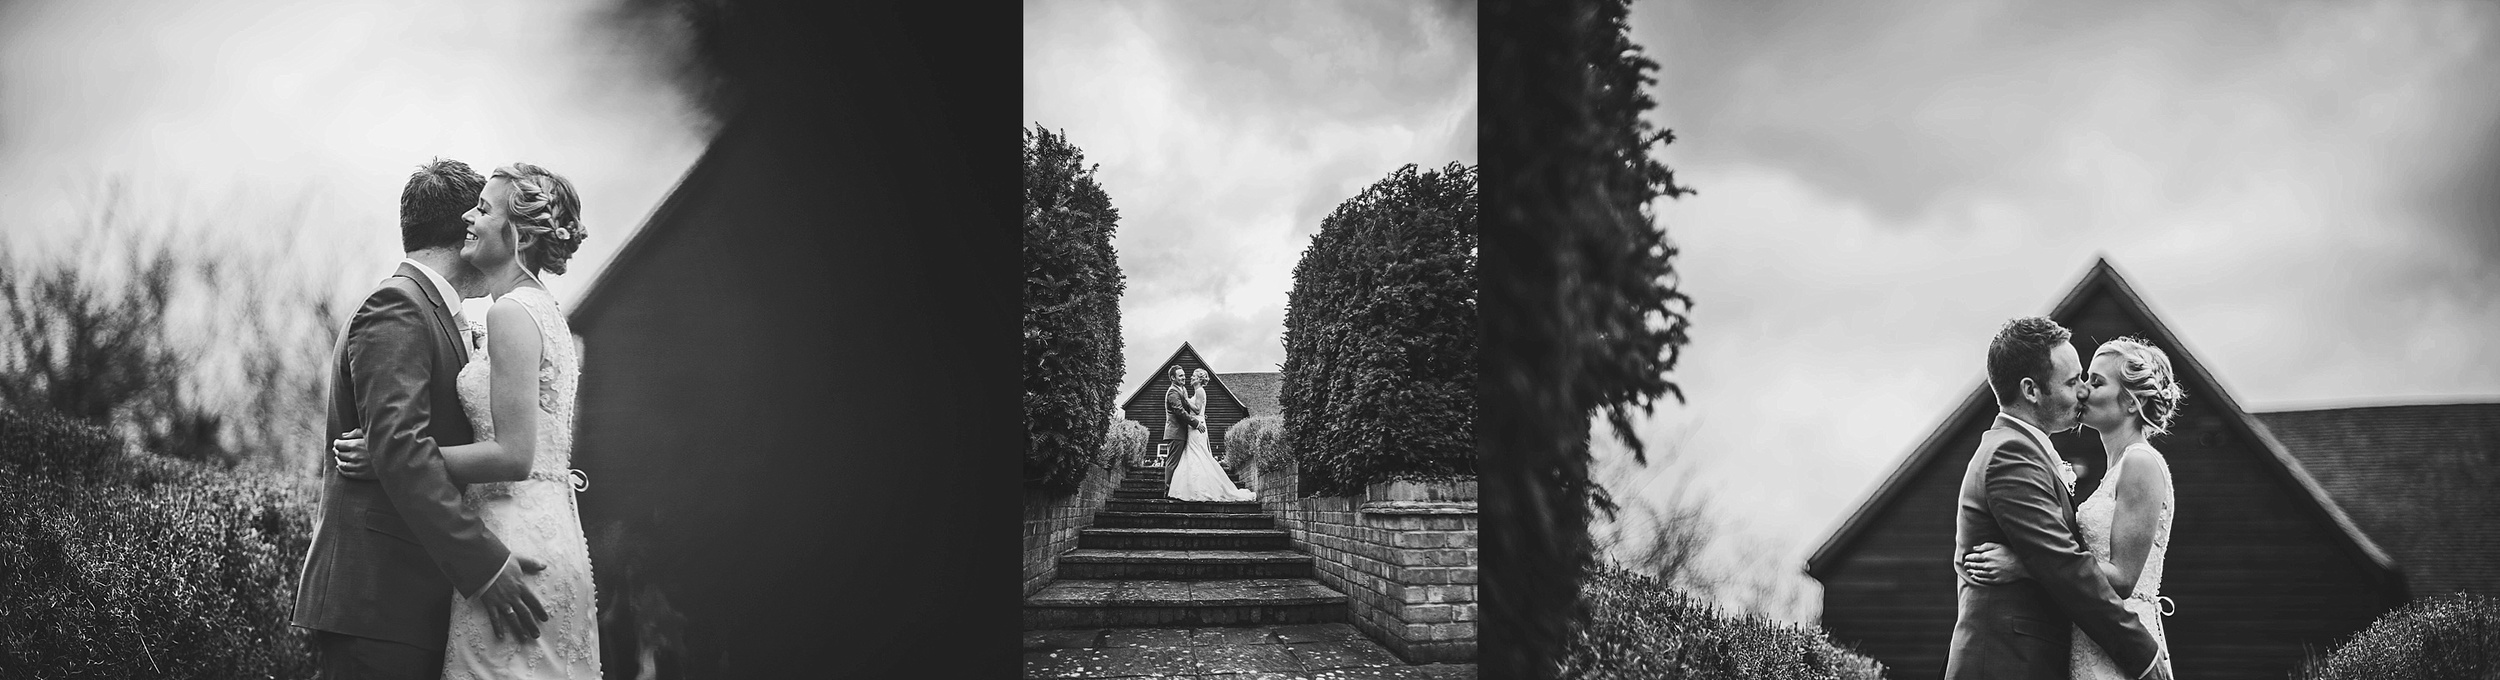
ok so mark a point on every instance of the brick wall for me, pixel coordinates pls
(1052, 520)
(1404, 553)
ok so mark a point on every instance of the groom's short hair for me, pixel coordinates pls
(438, 193)
(2021, 350)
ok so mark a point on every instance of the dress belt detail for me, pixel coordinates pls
(579, 480)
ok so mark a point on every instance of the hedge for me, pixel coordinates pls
(1380, 336)
(2451, 636)
(1260, 437)
(1072, 285)
(1639, 627)
(1127, 440)
(141, 566)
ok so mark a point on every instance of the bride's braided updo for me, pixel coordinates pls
(545, 206)
(2144, 372)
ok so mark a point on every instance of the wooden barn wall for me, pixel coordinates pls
(762, 469)
(1222, 409)
(2258, 577)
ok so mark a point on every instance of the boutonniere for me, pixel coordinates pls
(2066, 473)
(474, 333)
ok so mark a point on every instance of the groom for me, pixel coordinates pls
(388, 552)
(2014, 494)
(1177, 420)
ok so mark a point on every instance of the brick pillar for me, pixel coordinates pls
(1404, 553)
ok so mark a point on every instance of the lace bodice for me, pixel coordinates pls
(559, 375)
(2095, 516)
(2093, 520)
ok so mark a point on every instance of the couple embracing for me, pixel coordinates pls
(2051, 589)
(1196, 476)
(448, 545)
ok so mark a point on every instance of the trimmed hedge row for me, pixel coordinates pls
(1639, 627)
(142, 566)
(1072, 286)
(2451, 636)
(1381, 333)
(1255, 438)
(1127, 440)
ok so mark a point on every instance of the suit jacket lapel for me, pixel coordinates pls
(443, 327)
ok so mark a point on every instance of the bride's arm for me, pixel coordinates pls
(2142, 492)
(512, 338)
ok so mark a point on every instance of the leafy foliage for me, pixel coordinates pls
(144, 567)
(1380, 336)
(1639, 627)
(1072, 286)
(199, 350)
(1129, 441)
(1583, 315)
(1256, 438)
(2451, 636)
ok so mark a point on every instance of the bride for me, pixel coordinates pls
(1198, 477)
(2126, 521)
(521, 402)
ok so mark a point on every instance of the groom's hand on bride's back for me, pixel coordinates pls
(510, 606)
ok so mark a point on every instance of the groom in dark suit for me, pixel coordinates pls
(388, 552)
(2015, 493)
(1177, 419)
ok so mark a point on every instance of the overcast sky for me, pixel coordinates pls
(237, 117)
(2307, 192)
(1226, 130)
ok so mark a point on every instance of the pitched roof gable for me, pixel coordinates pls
(2102, 280)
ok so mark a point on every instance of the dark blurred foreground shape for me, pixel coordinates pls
(2294, 529)
(1580, 308)
(798, 414)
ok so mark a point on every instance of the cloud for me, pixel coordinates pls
(227, 113)
(2301, 190)
(1226, 131)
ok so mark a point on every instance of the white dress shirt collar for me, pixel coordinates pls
(442, 286)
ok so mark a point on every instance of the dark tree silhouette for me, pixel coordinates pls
(1582, 314)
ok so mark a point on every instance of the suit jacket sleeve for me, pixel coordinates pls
(390, 352)
(2034, 523)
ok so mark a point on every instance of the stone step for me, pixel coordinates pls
(1108, 603)
(1182, 565)
(1182, 539)
(1185, 520)
(1170, 505)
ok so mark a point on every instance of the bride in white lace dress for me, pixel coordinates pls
(1198, 477)
(2126, 520)
(519, 391)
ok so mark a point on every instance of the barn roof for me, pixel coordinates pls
(2418, 478)
(659, 225)
(1216, 383)
(2103, 280)
(1258, 392)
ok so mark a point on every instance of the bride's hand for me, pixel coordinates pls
(348, 452)
(1993, 564)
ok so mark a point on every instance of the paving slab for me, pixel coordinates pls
(1331, 651)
